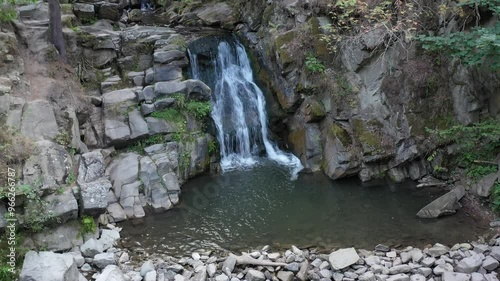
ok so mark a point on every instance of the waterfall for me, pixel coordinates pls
(195, 68)
(239, 112)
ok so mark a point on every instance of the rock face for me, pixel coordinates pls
(444, 205)
(61, 267)
(39, 121)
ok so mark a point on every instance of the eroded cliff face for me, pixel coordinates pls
(368, 112)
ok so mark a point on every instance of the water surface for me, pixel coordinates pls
(246, 209)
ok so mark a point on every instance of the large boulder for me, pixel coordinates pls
(154, 190)
(444, 205)
(48, 266)
(116, 132)
(92, 167)
(485, 185)
(48, 167)
(94, 196)
(39, 121)
(343, 258)
(62, 206)
(219, 14)
(138, 126)
(61, 238)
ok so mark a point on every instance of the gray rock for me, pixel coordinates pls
(48, 166)
(130, 201)
(425, 271)
(91, 248)
(94, 196)
(147, 267)
(495, 252)
(150, 276)
(211, 269)
(149, 94)
(60, 238)
(91, 167)
(399, 277)
(138, 126)
(405, 257)
(119, 100)
(428, 262)
(477, 277)
(438, 250)
(485, 185)
(417, 255)
(116, 132)
(254, 275)
(221, 277)
(294, 266)
(343, 258)
(86, 267)
(160, 126)
(490, 263)
(162, 89)
(168, 56)
(219, 14)
(417, 277)
(228, 265)
(197, 90)
(469, 264)
(167, 73)
(452, 276)
(62, 206)
(444, 205)
(111, 273)
(382, 248)
(116, 211)
(164, 103)
(285, 276)
(371, 260)
(48, 266)
(110, 11)
(84, 11)
(367, 276)
(403, 268)
(109, 237)
(104, 259)
(442, 268)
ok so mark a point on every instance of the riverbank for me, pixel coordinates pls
(102, 259)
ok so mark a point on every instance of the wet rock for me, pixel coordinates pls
(444, 205)
(343, 258)
(46, 266)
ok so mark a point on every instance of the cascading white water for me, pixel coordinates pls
(195, 68)
(239, 112)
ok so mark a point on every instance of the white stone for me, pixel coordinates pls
(343, 258)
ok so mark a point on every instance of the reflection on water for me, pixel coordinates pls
(242, 210)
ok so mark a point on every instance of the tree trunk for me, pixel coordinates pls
(56, 35)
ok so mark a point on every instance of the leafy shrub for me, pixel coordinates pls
(477, 46)
(213, 147)
(314, 65)
(200, 110)
(475, 143)
(88, 225)
(495, 198)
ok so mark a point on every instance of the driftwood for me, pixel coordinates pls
(246, 259)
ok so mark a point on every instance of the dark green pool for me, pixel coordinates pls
(242, 210)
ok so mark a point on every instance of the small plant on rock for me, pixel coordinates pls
(88, 225)
(314, 65)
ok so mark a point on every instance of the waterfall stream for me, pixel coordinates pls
(239, 111)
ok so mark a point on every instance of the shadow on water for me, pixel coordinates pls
(246, 209)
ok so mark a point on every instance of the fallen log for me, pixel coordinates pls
(245, 259)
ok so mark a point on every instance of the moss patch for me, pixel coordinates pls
(369, 139)
(341, 134)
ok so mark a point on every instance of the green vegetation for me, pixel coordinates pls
(171, 115)
(314, 65)
(36, 213)
(5, 273)
(8, 11)
(138, 146)
(495, 198)
(477, 144)
(63, 138)
(199, 109)
(88, 225)
(477, 46)
(71, 178)
(213, 147)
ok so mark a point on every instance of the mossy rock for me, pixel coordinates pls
(370, 140)
(320, 47)
(341, 134)
(280, 42)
